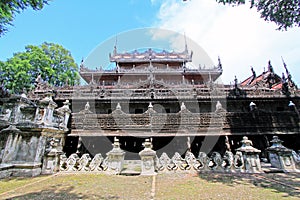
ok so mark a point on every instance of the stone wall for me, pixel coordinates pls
(27, 130)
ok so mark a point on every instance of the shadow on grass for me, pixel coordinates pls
(279, 182)
(60, 194)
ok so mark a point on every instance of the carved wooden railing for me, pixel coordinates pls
(246, 122)
(173, 91)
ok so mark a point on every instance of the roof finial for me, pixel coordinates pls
(219, 63)
(185, 44)
(289, 75)
(270, 68)
(253, 72)
(283, 79)
(286, 70)
(235, 82)
(82, 63)
(253, 76)
(115, 47)
(283, 62)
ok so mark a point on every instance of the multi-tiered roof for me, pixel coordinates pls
(150, 64)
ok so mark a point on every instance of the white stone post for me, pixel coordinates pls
(115, 158)
(66, 111)
(148, 159)
(280, 156)
(49, 105)
(250, 156)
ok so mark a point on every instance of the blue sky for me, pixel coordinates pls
(77, 25)
(236, 34)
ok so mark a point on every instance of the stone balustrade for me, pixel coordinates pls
(203, 163)
(246, 160)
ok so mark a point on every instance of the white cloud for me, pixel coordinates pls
(237, 34)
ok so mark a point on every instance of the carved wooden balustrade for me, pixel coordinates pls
(172, 91)
(190, 123)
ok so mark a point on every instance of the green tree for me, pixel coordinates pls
(53, 62)
(9, 8)
(285, 13)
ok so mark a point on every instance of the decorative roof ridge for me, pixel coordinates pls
(150, 54)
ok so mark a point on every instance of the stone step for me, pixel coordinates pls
(268, 168)
(131, 167)
(136, 162)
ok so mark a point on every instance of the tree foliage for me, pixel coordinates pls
(53, 62)
(9, 8)
(285, 13)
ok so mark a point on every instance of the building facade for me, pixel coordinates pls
(149, 95)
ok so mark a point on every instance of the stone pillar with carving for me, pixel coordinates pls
(51, 158)
(148, 156)
(280, 156)
(65, 111)
(250, 156)
(115, 158)
(48, 105)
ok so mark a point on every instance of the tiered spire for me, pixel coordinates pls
(115, 47)
(270, 67)
(219, 63)
(185, 44)
(288, 80)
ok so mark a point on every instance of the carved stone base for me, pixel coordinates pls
(26, 169)
(252, 163)
(115, 158)
(281, 157)
(283, 161)
(115, 164)
(50, 164)
(147, 165)
(5, 170)
(26, 172)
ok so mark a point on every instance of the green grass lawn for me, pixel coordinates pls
(167, 186)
